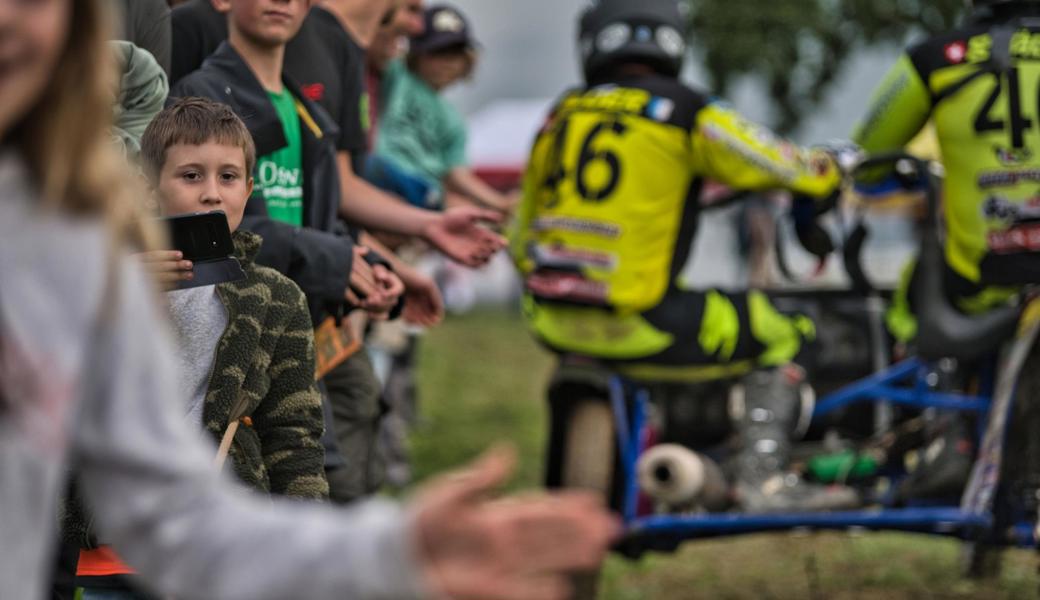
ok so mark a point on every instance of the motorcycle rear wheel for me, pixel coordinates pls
(588, 463)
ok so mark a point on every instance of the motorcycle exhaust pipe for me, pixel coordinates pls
(682, 479)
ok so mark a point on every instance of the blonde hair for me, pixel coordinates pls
(65, 138)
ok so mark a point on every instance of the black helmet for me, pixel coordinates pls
(646, 31)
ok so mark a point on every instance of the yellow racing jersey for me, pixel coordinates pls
(610, 203)
(988, 130)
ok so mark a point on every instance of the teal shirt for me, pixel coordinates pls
(279, 175)
(419, 130)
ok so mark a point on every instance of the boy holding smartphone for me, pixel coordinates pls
(246, 347)
(297, 196)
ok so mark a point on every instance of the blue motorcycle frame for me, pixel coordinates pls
(904, 383)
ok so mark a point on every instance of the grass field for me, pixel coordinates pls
(481, 381)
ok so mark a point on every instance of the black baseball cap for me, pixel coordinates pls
(445, 27)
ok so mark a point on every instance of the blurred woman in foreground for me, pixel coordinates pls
(87, 382)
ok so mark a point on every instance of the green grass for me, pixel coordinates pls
(482, 380)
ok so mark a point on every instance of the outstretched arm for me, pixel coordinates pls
(463, 181)
(456, 232)
(746, 156)
(899, 110)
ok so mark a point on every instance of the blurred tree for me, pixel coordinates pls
(799, 47)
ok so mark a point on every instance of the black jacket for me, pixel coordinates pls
(317, 256)
(199, 29)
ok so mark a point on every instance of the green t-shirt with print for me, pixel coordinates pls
(279, 175)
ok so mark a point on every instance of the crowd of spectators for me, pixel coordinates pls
(267, 111)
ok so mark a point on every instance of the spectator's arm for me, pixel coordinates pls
(459, 178)
(370, 207)
(289, 419)
(455, 233)
(463, 181)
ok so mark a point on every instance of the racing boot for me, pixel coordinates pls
(772, 404)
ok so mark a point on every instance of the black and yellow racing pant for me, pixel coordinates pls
(688, 336)
(967, 296)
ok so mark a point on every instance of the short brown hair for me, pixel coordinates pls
(193, 121)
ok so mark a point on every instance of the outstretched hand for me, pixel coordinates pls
(521, 548)
(423, 304)
(460, 235)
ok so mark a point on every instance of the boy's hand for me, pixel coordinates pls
(459, 234)
(390, 287)
(472, 548)
(423, 304)
(362, 287)
(168, 267)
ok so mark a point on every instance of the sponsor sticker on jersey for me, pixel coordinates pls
(559, 256)
(1011, 157)
(607, 230)
(660, 109)
(955, 52)
(1021, 238)
(1025, 44)
(609, 98)
(747, 152)
(998, 208)
(569, 287)
(979, 48)
(1007, 178)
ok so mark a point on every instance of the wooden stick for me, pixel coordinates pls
(225, 444)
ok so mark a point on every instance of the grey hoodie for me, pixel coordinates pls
(103, 399)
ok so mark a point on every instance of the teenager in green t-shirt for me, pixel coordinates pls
(279, 175)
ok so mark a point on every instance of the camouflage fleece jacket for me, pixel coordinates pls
(265, 357)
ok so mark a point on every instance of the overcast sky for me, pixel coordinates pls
(529, 52)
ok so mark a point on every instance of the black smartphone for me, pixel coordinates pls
(205, 240)
(201, 237)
